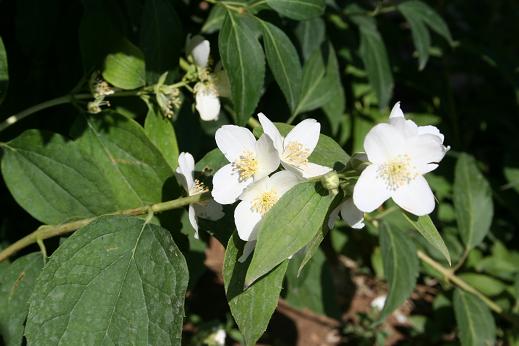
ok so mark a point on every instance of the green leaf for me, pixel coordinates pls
(243, 59)
(161, 37)
(211, 162)
(288, 226)
(421, 37)
(117, 280)
(251, 307)
(472, 201)
(311, 34)
(161, 132)
(312, 247)
(16, 287)
(400, 267)
(483, 283)
(374, 55)
(4, 72)
(425, 226)
(512, 176)
(335, 107)
(124, 67)
(312, 288)
(475, 322)
(298, 9)
(283, 61)
(215, 19)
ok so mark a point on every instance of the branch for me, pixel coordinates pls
(48, 231)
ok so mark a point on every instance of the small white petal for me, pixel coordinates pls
(266, 156)
(396, 112)
(415, 197)
(272, 131)
(227, 186)
(424, 150)
(247, 250)
(246, 220)
(185, 170)
(311, 170)
(334, 215)
(383, 142)
(351, 214)
(207, 103)
(306, 133)
(379, 302)
(406, 127)
(255, 189)
(209, 210)
(431, 130)
(283, 181)
(370, 191)
(192, 219)
(233, 140)
(199, 48)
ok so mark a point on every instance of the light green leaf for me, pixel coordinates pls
(124, 67)
(421, 37)
(288, 226)
(161, 37)
(483, 283)
(400, 267)
(312, 247)
(16, 286)
(472, 201)
(161, 132)
(117, 280)
(425, 226)
(251, 307)
(211, 162)
(4, 72)
(475, 322)
(283, 61)
(298, 9)
(374, 55)
(243, 59)
(215, 19)
(311, 34)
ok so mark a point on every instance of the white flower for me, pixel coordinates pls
(207, 209)
(349, 213)
(378, 302)
(296, 147)
(207, 102)
(256, 200)
(400, 153)
(199, 48)
(250, 161)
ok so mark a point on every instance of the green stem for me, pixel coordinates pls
(49, 231)
(253, 123)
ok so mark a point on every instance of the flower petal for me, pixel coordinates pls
(199, 49)
(246, 220)
(416, 197)
(185, 170)
(233, 140)
(431, 130)
(283, 181)
(311, 170)
(351, 214)
(306, 133)
(334, 215)
(192, 219)
(207, 103)
(247, 250)
(209, 210)
(396, 112)
(272, 131)
(227, 186)
(383, 142)
(424, 150)
(370, 191)
(266, 156)
(255, 189)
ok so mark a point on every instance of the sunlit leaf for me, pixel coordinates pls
(124, 67)
(298, 9)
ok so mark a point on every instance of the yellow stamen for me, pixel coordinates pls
(246, 165)
(265, 201)
(397, 172)
(199, 187)
(296, 154)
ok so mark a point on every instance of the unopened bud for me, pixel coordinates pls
(331, 182)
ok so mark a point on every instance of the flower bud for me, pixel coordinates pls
(331, 182)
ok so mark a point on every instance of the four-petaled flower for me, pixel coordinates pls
(296, 147)
(400, 153)
(250, 161)
(207, 209)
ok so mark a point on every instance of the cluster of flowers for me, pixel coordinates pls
(398, 154)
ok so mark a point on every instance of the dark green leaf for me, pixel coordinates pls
(117, 280)
(214, 20)
(211, 162)
(311, 34)
(283, 61)
(312, 247)
(475, 322)
(16, 287)
(425, 226)
(298, 9)
(288, 226)
(334, 109)
(243, 59)
(483, 283)
(4, 72)
(400, 267)
(161, 132)
(161, 37)
(253, 307)
(124, 67)
(472, 200)
(421, 37)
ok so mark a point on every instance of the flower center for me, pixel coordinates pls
(265, 201)
(296, 154)
(246, 165)
(199, 187)
(397, 172)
